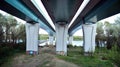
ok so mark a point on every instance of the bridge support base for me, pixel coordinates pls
(70, 39)
(32, 31)
(61, 39)
(51, 38)
(89, 32)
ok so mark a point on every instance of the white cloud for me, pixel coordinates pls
(111, 18)
(41, 31)
(78, 33)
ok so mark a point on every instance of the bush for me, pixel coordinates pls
(117, 59)
(115, 55)
(69, 46)
(7, 50)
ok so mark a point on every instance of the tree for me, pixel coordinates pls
(2, 21)
(109, 36)
(117, 22)
(100, 34)
(20, 33)
(9, 28)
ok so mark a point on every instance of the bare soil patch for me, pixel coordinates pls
(45, 58)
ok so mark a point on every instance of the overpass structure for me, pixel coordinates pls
(67, 16)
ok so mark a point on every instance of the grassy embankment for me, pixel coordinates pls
(101, 58)
(77, 38)
(43, 36)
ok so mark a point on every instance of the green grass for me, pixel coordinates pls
(77, 38)
(43, 37)
(75, 55)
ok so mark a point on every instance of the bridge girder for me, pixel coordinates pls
(101, 10)
(25, 11)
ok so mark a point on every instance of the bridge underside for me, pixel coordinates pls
(61, 12)
(28, 14)
(103, 9)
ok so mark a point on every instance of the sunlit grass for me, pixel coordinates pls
(75, 55)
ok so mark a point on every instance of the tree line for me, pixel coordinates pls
(12, 37)
(11, 31)
(108, 34)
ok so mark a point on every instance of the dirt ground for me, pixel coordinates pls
(45, 58)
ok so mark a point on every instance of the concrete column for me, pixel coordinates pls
(70, 39)
(51, 39)
(32, 31)
(89, 32)
(61, 39)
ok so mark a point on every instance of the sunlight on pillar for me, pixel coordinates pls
(32, 41)
(89, 38)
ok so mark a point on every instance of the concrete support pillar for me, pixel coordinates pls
(70, 39)
(89, 32)
(32, 31)
(61, 39)
(51, 39)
